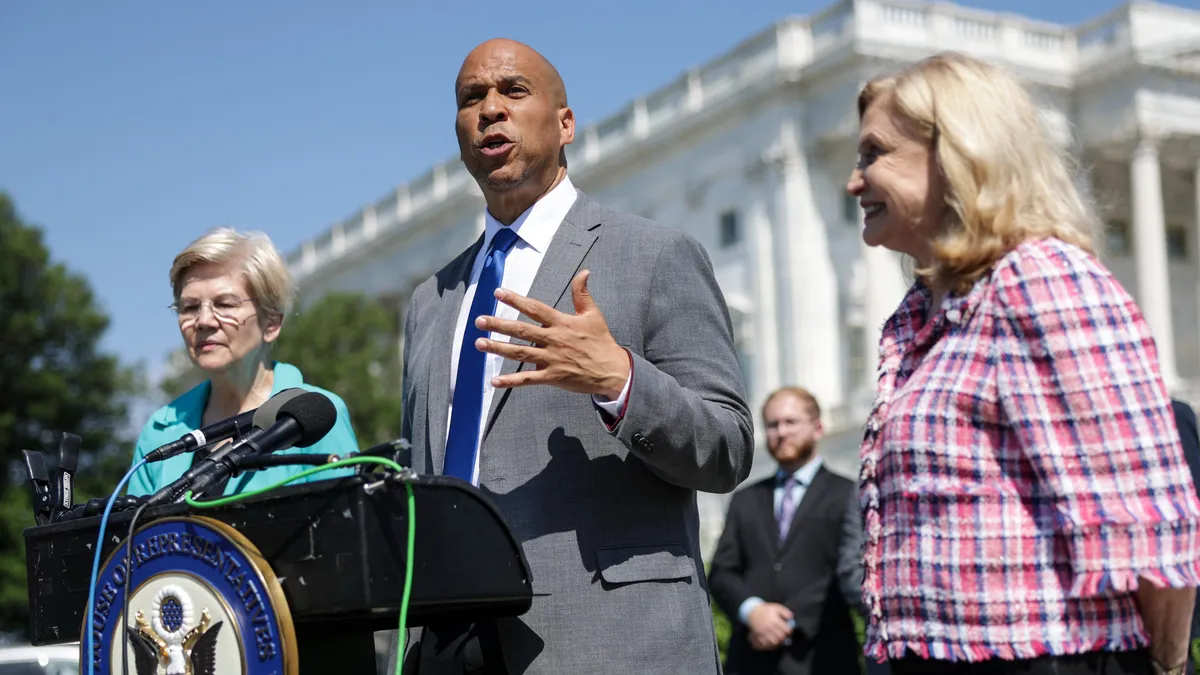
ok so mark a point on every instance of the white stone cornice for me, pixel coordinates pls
(782, 62)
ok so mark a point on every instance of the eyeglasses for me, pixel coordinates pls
(225, 309)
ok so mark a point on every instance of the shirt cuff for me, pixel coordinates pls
(614, 410)
(748, 606)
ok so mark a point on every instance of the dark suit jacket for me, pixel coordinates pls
(1185, 419)
(816, 573)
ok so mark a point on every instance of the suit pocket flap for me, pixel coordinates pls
(629, 564)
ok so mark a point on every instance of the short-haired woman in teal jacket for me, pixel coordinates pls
(232, 292)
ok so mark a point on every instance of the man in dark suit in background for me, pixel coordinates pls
(1185, 420)
(788, 567)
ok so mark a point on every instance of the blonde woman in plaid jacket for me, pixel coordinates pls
(1027, 507)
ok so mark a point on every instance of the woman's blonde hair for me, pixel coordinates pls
(1005, 179)
(259, 261)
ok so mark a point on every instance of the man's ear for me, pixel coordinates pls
(566, 124)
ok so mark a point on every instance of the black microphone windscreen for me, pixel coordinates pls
(68, 452)
(268, 412)
(314, 413)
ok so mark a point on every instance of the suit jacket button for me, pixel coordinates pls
(778, 567)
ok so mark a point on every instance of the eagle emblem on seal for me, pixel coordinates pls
(171, 640)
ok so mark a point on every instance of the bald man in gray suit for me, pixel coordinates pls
(604, 391)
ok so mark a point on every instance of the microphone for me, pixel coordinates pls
(63, 476)
(217, 431)
(263, 417)
(257, 462)
(302, 418)
(39, 486)
(179, 485)
(193, 440)
(301, 422)
(268, 413)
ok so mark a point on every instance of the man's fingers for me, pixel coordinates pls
(534, 309)
(524, 379)
(760, 642)
(521, 330)
(580, 294)
(769, 640)
(522, 353)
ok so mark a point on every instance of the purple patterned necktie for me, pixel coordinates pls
(787, 507)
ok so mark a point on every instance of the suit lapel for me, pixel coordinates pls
(766, 506)
(812, 495)
(562, 260)
(439, 365)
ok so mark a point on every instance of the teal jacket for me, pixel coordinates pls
(184, 414)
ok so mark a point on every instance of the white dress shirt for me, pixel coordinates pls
(534, 229)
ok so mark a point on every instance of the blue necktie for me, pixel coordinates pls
(463, 438)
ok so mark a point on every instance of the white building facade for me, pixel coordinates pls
(750, 153)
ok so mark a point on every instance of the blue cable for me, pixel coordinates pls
(91, 660)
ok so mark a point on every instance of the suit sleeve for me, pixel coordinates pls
(406, 402)
(850, 555)
(1185, 421)
(726, 580)
(686, 415)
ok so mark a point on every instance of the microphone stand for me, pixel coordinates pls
(264, 461)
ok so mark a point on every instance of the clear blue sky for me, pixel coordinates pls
(129, 128)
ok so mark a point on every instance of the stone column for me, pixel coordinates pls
(886, 286)
(809, 323)
(1150, 252)
(760, 242)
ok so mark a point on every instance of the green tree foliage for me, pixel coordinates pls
(53, 378)
(347, 343)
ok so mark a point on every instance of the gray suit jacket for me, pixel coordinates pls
(608, 520)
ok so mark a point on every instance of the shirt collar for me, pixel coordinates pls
(914, 324)
(537, 226)
(804, 475)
